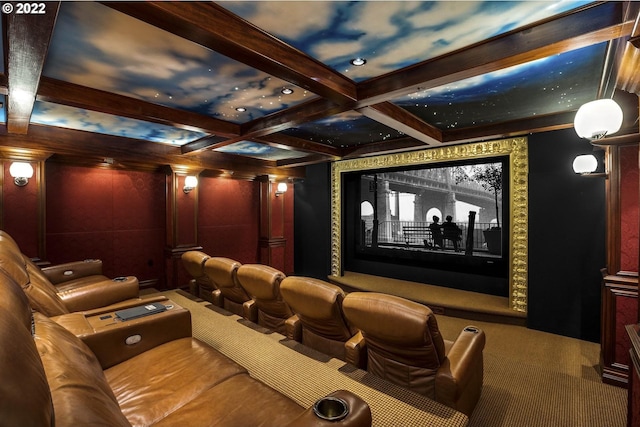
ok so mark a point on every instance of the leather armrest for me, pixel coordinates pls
(109, 343)
(250, 310)
(73, 270)
(462, 364)
(356, 351)
(99, 294)
(359, 414)
(293, 327)
(218, 298)
(77, 322)
(134, 302)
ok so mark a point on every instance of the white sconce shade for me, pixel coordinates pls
(598, 118)
(21, 172)
(586, 163)
(281, 188)
(190, 182)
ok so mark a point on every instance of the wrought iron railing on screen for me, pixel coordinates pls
(417, 235)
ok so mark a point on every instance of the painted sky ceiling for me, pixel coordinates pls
(390, 35)
(101, 48)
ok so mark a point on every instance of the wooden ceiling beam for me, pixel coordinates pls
(309, 111)
(585, 27)
(78, 144)
(314, 109)
(216, 28)
(60, 92)
(28, 37)
(543, 123)
(403, 121)
(287, 142)
(397, 145)
(302, 161)
(208, 144)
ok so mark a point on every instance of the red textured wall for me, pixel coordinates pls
(229, 215)
(629, 217)
(117, 216)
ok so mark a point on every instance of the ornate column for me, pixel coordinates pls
(272, 242)
(23, 206)
(182, 225)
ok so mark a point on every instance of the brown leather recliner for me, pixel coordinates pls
(319, 322)
(64, 288)
(404, 346)
(199, 285)
(223, 273)
(266, 307)
(48, 376)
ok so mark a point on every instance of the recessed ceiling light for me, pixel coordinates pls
(287, 91)
(241, 109)
(358, 62)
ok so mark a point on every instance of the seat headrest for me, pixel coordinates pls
(26, 397)
(392, 319)
(193, 262)
(313, 297)
(6, 239)
(260, 281)
(13, 265)
(41, 293)
(222, 271)
(13, 300)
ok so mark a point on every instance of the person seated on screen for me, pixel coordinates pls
(452, 232)
(436, 232)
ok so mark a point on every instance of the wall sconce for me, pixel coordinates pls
(21, 172)
(598, 118)
(281, 188)
(586, 165)
(190, 182)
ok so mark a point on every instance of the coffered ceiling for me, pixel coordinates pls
(266, 87)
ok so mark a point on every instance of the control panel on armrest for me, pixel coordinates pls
(114, 340)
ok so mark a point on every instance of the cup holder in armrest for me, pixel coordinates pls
(331, 408)
(471, 329)
(119, 279)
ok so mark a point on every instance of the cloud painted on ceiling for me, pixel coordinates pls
(46, 113)
(98, 47)
(260, 151)
(389, 34)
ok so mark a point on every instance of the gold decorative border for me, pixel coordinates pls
(515, 148)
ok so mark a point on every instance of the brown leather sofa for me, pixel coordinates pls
(64, 288)
(262, 283)
(199, 285)
(319, 322)
(50, 377)
(404, 346)
(223, 272)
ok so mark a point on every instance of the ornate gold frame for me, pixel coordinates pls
(515, 148)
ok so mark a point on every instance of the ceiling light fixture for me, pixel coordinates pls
(358, 62)
(287, 91)
(596, 119)
(241, 109)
